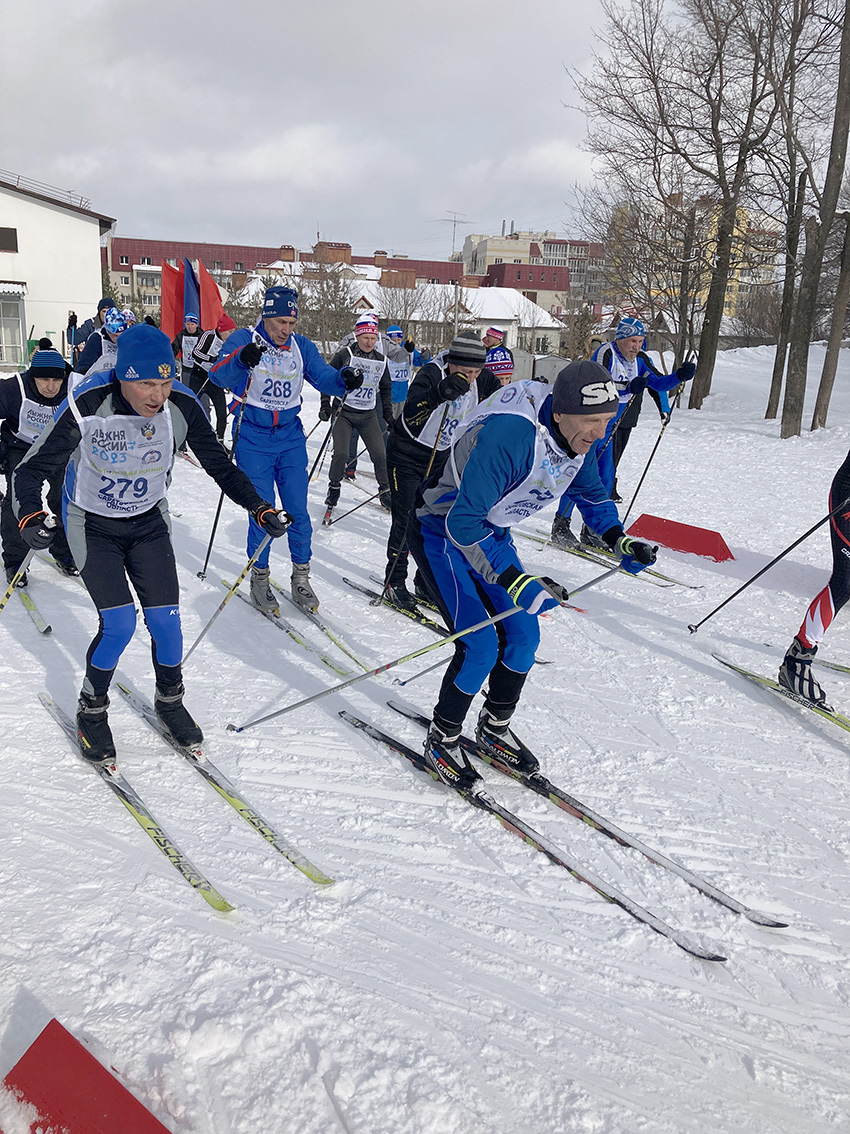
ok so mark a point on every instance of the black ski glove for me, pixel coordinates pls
(352, 377)
(72, 319)
(686, 371)
(636, 554)
(409, 345)
(533, 593)
(325, 413)
(452, 386)
(274, 522)
(37, 530)
(637, 385)
(250, 355)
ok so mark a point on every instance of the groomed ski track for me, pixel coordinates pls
(452, 981)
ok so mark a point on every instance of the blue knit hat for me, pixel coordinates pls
(394, 332)
(144, 353)
(629, 327)
(191, 317)
(48, 363)
(280, 301)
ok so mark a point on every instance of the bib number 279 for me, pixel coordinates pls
(122, 485)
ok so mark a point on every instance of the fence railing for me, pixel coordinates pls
(65, 195)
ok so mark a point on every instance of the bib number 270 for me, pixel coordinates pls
(122, 485)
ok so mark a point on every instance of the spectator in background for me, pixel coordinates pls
(500, 361)
(185, 342)
(203, 357)
(79, 335)
(101, 348)
(402, 357)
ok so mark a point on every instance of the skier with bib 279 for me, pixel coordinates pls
(116, 441)
(266, 368)
(524, 447)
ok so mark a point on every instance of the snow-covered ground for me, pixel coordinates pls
(453, 981)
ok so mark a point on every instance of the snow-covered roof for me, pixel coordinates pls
(487, 304)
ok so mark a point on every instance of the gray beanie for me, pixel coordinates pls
(584, 387)
(467, 350)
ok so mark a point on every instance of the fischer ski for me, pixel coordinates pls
(419, 617)
(38, 619)
(138, 809)
(217, 779)
(542, 786)
(607, 559)
(768, 683)
(282, 624)
(320, 623)
(540, 842)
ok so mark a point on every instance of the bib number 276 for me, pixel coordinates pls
(120, 486)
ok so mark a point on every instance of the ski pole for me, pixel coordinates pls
(18, 575)
(313, 430)
(202, 574)
(421, 673)
(844, 504)
(324, 444)
(229, 595)
(403, 543)
(667, 417)
(408, 657)
(354, 509)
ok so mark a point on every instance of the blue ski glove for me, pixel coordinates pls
(637, 385)
(352, 377)
(636, 554)
(686, 371)
(533, 593)
(273, 522)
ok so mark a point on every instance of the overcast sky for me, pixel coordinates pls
(260, 122)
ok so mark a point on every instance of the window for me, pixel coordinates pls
(149, 281)
(433, 281)
(151, 300)
(171, 261)
(123, 259)
(217, 268)
(240, 267)
(145, 260)
(517, 261)
(8, 240)
(519, 275)
(10, 330)
(498, 260)
(125, 281)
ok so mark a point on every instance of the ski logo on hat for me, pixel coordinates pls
(598, 393)
(165, 370)
(131, 374)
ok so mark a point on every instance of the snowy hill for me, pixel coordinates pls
(453, 981)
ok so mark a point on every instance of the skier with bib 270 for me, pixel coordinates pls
(524, 447)
(267, 368)
(116, 441)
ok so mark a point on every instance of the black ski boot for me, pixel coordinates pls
(562, 533)
(384, 498)
(93, 732)
(66, 566)
(444, 754)
(401, 597)
(592, 540)
(795, 674)
(496, 738)
(332, 498)
(11, 572)
(171, 711)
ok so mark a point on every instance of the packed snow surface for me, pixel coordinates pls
(453, 980)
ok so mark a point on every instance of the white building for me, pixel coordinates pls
(50, 264)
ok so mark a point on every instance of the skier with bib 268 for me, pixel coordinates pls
(266, 368)
(116, 441)
(524, 447)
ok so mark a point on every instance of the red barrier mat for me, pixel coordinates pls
(682, 537)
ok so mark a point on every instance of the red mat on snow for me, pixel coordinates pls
(682, 537)
(73, 1092)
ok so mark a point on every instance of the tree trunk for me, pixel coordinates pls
(701, 385)
(836, 333)
(792, 245)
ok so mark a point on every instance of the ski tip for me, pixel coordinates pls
(701, 953)
(767, 920)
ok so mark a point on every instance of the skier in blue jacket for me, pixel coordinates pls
(266, 369)
(632, 372)
(525, 446)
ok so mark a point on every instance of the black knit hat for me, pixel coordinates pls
(584, 387)
(467, 350)
(47, 363)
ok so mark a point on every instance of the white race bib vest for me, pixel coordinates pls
(189, 344)
(124, 462)
(622, 372)
(107, 359)
(278, 378)
(552, 469)
(33, 418)
(399, 371)
(458, 414)
(365, 397)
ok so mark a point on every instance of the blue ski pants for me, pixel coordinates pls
(276, 458)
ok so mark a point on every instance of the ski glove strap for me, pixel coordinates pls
(533, 593)
(272, 521)
(37, 530)
(636, 554)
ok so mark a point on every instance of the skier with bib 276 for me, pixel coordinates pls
(524, 447)
(266, 369)
(116, 441)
